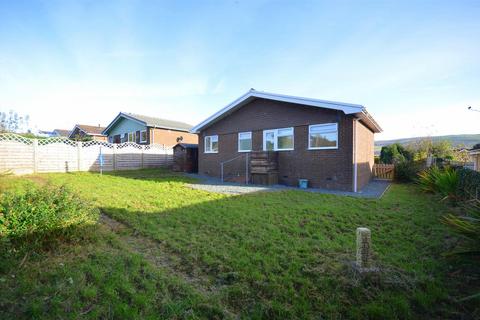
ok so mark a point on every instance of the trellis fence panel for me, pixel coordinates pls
(22, 155)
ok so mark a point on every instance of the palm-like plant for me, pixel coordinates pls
(469, 229)
(444, 181)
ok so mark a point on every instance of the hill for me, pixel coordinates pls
(467, 140)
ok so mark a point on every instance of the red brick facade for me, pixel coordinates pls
(169, 137)
(329, 168)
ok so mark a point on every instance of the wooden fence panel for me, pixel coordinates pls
(384, 171)
(22, 156)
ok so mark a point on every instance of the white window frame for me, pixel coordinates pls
(251, 139)
(322, 125)
(275, 139)
(211, 144)
(142, 131)
(132, 134)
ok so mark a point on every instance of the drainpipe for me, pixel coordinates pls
(355, 121)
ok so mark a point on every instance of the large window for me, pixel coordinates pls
(131, 137)
(211, 144)
(244, 141)
(323, 136)
(143, 136)
(278, 139)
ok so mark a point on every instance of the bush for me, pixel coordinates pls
(395, 153)
(39, 214)
(407, 171)
(469, 184)
(444, 181)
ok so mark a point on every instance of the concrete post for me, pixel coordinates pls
(364, 248)
(79, 156)
(35, 155)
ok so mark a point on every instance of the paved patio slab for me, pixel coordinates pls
(375, 189)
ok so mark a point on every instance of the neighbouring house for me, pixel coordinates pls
(61, 133)
(86, 132)
(475, 156)
(129, 127)
(329, 143)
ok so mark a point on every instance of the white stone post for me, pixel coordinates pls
(364, 248)
(35, 155)
(79, 156)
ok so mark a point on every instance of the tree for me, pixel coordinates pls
(13, 122)
(395, 153)
(476, 146)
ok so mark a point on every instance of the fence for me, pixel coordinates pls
(22, 155)
(384, 171)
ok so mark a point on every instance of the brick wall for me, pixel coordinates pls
(365, 155)
(169, 137)
(324, 168)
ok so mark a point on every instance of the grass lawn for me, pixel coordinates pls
(184, 253)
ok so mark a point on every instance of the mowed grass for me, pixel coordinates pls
(267, 255)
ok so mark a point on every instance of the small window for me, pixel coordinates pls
(211, 144)
(278, 139)
(244, 142)
(143, 136)
(323, 136)
(131, 137)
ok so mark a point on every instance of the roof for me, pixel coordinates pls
(89, 130)
(474, 151)
(357, 110)
(151, 122)
(187, 145)
(62, 132)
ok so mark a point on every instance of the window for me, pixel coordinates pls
(143, 136)
(131, 137)
(323, 136)
(244, 141)
(211, 144)
(278, 139)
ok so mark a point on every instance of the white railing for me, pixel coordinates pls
(22, 155)
(222, 165)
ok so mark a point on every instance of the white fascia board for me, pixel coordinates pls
(347, 108)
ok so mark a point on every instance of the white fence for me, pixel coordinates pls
(21, 155)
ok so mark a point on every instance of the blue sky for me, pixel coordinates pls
(414, 65)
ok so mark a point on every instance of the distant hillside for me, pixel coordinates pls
(467, 140)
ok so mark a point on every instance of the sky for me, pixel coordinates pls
(415, 65)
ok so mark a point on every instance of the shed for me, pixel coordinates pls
(185, 157)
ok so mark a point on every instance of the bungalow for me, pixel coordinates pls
(61, 133)
(86, 132)
(329, 143)
(475, 156)
(129, 127)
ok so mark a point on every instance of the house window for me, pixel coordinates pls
(211, 144)
(131, 137)
(143, 136)
(244, 141)
(323, 136)
(278, 139)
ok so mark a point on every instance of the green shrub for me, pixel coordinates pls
(469, 184)
(40, 213)
(469, 229)
(395, 153)
(406, 171)
(443, 181)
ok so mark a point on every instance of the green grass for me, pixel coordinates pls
(266, 255)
